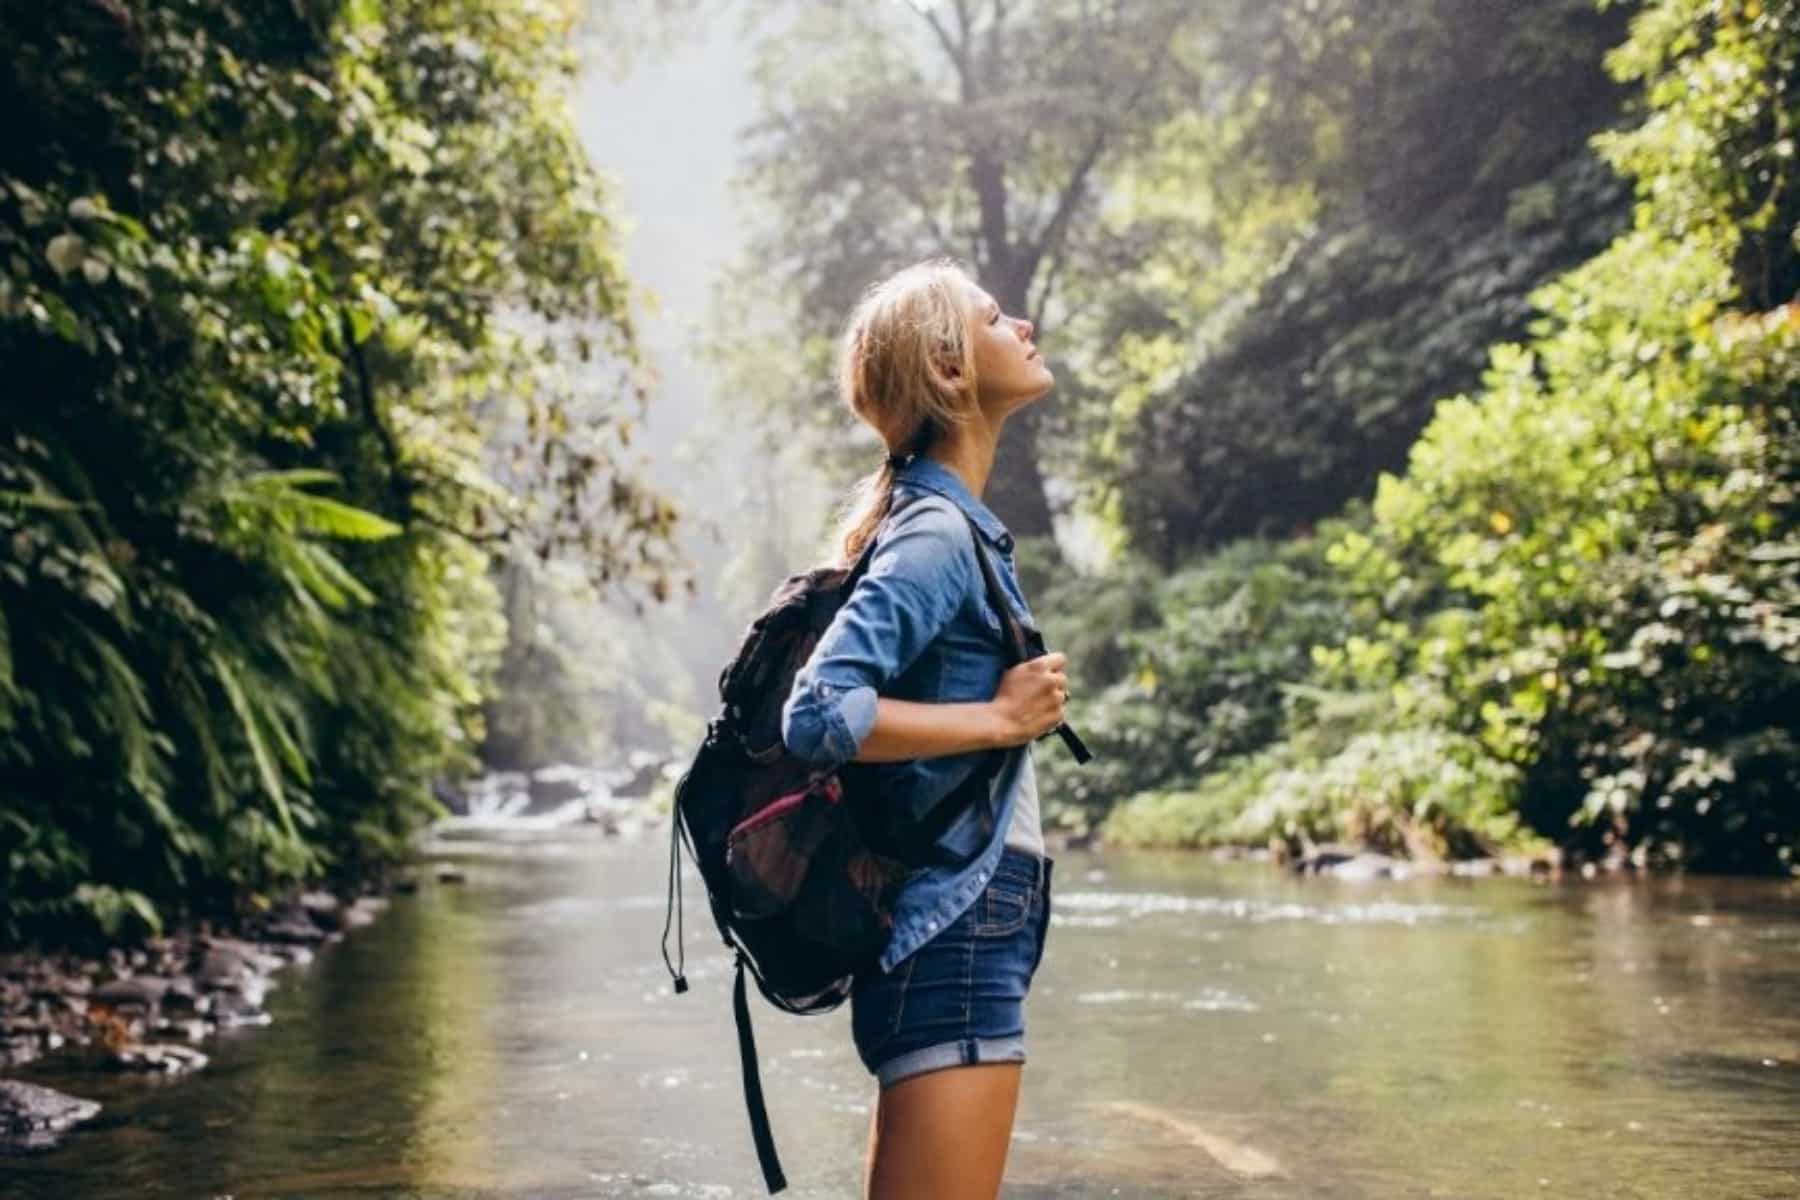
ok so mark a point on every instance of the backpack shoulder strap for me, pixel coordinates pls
(924, 839)
(1012, 632)
(1019, 645)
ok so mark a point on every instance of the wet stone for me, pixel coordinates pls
(240, 1019)
(32, 1116)
(293, 929)
(16, 1051)
(363, 912)
(296, 954)
(191, 1028)
(144, 991)
(320, 904)
(1369, 866)
(74, 985)
(227, 967)
(168, 1058)
(234, 1005)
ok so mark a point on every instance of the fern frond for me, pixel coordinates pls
(267, 771)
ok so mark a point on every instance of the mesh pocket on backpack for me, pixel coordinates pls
(799, 868)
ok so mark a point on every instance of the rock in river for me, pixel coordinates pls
(141, 991)
(295, 926)
(322, 907)
(171, 1058)
(32, 1116)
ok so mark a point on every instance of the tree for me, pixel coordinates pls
(1590, 569)
(1371, 217)
(279, 276)
(984, 131)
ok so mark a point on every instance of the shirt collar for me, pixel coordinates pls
(934, 476)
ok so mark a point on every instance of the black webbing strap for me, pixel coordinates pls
(760, 1132)
(1020, 644)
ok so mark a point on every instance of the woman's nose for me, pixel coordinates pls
(1026, 328)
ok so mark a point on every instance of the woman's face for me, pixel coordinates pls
(1009, 372)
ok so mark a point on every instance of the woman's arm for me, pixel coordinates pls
(906, 729)
(1028, 705)
(922, 573)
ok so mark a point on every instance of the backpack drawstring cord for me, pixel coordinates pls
(672, 917)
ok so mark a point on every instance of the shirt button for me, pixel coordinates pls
(931, 927)
(1005, 543)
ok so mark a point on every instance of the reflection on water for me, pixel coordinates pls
(1198, 1030)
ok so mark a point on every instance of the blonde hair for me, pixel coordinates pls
(906, 367)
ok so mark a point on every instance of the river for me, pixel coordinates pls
(1198, 1029)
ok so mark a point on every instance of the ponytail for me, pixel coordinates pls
(873, 499)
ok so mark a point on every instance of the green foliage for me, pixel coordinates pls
(1196, 665)
(1360, 228)
(1419, 792)
(1577, 613)
(1617, 510)
(286, 290)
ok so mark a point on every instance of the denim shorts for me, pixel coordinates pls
(960, 998)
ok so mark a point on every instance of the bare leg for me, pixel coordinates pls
(943, 1135)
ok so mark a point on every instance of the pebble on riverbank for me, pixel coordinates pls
(32, 1117)
(1350, 862)
(144, 1007)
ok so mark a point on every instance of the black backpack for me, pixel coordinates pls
(801, 876)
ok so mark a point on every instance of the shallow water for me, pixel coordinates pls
(1197, 1029)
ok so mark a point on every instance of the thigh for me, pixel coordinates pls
(943, 1135)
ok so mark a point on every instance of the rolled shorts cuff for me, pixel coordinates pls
(965, 1053)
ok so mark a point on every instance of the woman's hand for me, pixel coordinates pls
(1031, 699)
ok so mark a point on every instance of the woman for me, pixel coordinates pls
(911, 677)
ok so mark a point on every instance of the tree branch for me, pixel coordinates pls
(1048, 240)
(400, 485)
(956, 54)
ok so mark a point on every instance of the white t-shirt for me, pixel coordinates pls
(1026, 832)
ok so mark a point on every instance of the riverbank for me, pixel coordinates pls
(149, 1007)
(152, 1007)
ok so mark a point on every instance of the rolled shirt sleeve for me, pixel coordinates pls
(920, 576)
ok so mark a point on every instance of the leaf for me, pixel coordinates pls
(333, 518)
(266, 769)
(66, 252)
(8, 691)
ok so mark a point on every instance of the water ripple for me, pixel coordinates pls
(1208, 1000)
(1134, 905)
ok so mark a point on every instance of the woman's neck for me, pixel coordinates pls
(969, 455)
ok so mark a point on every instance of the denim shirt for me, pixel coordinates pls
(918, 626)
